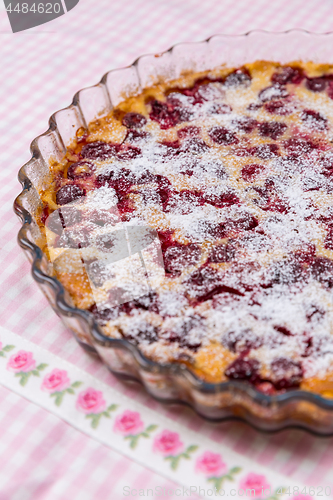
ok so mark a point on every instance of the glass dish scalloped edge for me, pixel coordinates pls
(172, 383)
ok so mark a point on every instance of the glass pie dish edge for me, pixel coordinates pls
(172, 383)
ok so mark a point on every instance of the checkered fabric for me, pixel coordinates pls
(41, 457)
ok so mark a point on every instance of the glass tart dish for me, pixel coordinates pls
(178, 217)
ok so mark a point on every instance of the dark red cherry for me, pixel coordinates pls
(243, 368)
(297, 146)
(249, 172)
(288, 74)
(265, 151)
(68, 193)
(134, 135)
(316, 84)
(239, 77)
(279, 107)
(134, 120)
(103, 315)
(286, 373)
(219, 109)
(222, 199)
(99, 150)
(245, 124)
(314, 119)
(328, 243)
(282, 329)
(241, 342)
(188, 132)
(322, 270)
(222, 253)
(105, 242)
(272, 129)
(127, 152)
(164, 113)
(273, 92)
(194, 145)
(80, 170)
(222, 136)
(179, 257)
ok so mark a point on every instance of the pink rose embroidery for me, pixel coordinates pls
(23, 365)
(128, 423)
(210, 464)
(254, 482)
(168, 443)
(56, 381)
(91, 401)
(22, 361)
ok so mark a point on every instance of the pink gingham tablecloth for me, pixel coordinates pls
(41, 456)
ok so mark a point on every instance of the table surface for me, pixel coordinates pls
(41, 456)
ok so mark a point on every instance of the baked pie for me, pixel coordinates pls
(196, 221)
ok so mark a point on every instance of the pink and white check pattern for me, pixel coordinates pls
(42, 457)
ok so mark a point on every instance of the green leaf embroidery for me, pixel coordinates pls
(112, 407)
(70, 390)
(229, 476)
(2, 354)
(8, 348)
(77, 384)
(59, 398)
(42, 366)
(151, 428)
(35, 372)
(192, 448)
(24, 377)
(106, 414)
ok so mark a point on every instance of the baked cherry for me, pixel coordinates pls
(103, 315)
(221, 200)
(164, 113)
(194, 145)
(219, 109)
(265, 151)
(316, 84)
(188, 132)
(80, 170)
(272, 129)
(280, 107)
(245, 124)
(243, 368)
(128, 152)
(313, 119)
(134, 135)
(222, 253)
(179, 257)
(134, 120)
(273, 92)
(250, 172)
(99, 150)
(222, 136)
(288, 74)
(240, 77)
(241, 342)
(68, 193)
(297, 146)
(286, 373)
